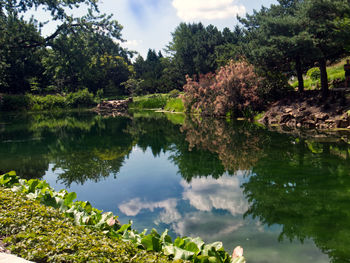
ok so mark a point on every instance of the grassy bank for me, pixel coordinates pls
(80, 99)
(168, 102)
(336, 76)
(43, 234)
(47, 226)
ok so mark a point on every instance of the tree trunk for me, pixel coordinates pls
(324, 78)
(300, 75)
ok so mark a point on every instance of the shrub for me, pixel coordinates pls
(274, 86)
(81, 98)
(47, 102)
(233, 89)
(314, 73)
(175, 104)
(174, 93)
(47, 235)
(156, 101)
(42, 234)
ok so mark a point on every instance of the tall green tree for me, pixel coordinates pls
(320, 18)
(150, 71)
(193, 48)
(277, 39)
(21, 45)
(86, 60)
(18, 65)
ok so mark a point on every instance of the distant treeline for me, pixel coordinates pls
(283, 40)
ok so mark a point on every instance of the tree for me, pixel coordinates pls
(231, 47)
(18, 65)
(321, 19)
(22, 46)
(150, 71)
(193, 48)
(277, 40)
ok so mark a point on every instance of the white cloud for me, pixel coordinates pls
(168, 215)
(207, 9)
(206, 194)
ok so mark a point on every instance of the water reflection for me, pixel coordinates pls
(277, 195)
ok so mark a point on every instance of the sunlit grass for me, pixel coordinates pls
(335, 72)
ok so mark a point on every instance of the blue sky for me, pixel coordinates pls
(149, 23)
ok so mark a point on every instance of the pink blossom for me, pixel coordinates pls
(237, 252)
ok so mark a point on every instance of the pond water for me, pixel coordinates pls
(282, 198)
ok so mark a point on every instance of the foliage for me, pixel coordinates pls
(314, 73)
(81, 98)
(133, 86)
(82, 213)
(233, 89)
(174, 93)
(43, 234)
(194, 48)
(274, 86)
(335, 74)
(48, 102)
(83, 52)
(320, 19)
(175, 104)
(155, 101)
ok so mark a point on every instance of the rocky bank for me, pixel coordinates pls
(310, 111)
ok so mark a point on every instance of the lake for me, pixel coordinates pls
(283, 198)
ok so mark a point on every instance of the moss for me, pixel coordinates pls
(42, 234)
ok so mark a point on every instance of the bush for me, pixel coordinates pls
(14, 102)
(274, 86)
(314, 73)
(174, 93)
(81, 98)
(46, 235)
(156, 101)
(47, 102)
(42, 234)
(175, 104)
(233, 89)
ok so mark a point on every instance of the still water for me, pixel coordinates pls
(281, 197)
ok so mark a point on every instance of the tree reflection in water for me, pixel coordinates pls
(301, 184)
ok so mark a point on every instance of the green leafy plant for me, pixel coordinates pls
(83, 214)
(314, 73)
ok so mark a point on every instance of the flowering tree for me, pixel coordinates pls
(234, 88)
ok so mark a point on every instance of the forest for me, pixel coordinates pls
(84, 53)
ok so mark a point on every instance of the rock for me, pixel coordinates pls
(113, 106)
(321, 116)
(341, 123)
(309, 124)
(288, 110)
(7, 258)
(285, 118)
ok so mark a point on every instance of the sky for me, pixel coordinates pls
(149, 23)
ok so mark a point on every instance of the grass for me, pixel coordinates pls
(175, 104)
(158, 101)
(335, 74)
(153, 101)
